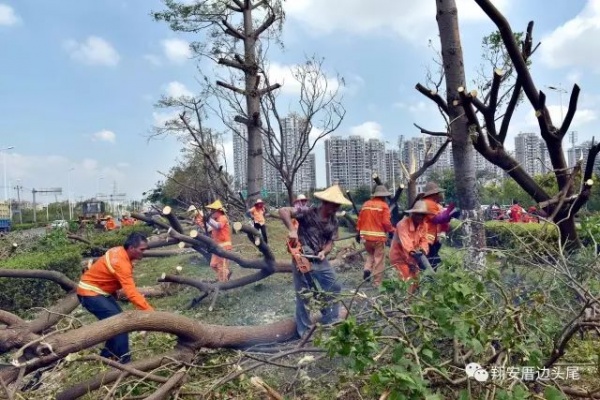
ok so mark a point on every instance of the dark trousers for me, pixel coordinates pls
(323, 275)
(434, 254)
(105, 307)
(263, 231)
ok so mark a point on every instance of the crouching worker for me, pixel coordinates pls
(317, 228)
(410, 237)
(98, 287)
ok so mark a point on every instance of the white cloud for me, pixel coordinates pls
(153, 59)
(93, 51)
(177, 50)
(82, 177)
(572, 43)
(411, 20)
(284, 75)
(89, 164)
(8, 17)
(104, 136)
(583, 116)
(177, 89)
(415, 107)
(368, 130)
(123, 165)
(161, 118)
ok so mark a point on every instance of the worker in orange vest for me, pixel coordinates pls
(98, 286)
(410, 236)
(257, 213)
(218, 226)
(373, 225)
(516, 212)
(438, 220)
(110, 224)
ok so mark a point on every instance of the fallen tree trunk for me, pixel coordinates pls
(191, 333)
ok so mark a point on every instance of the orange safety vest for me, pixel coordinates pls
(222, 235)
(258, 215)
(432, 229)
(408, 238)
(110, 224)
(516, 213)
(374, 220)
(110, 273)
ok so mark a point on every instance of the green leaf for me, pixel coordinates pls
(552, 393)
(427, 353)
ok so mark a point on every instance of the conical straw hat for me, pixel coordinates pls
(420, 207)
(216, 205)
(334, 195)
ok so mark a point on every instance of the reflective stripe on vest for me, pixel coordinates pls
(430, 236)
(371, 233)
(108, 264)
(223, 244)
(92, 288)
(372, 208)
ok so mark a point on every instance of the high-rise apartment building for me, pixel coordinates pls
(392, 167)
(352, 161)
(532, 153)
(240, 159)
(305, 179)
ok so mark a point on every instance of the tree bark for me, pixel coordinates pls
(255, 156)
(462, 146)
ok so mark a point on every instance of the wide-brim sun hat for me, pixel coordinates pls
(420, 207)
(300, 197)
(216, 205)
(432, 188)
(259, 201)
(334, 195)
(381, 191)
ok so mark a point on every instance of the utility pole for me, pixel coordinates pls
(18, 189)
(33, 191)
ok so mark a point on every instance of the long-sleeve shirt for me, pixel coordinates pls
(258, 215)
(221, 231)
(433, 229)
(407, 238)
(111, 272)
(374, 220)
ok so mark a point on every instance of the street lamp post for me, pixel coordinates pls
(98, 185)
(69, 193)
(4, 161)
(560, 91)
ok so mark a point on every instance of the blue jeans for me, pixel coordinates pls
(323, 274)
(104, 307)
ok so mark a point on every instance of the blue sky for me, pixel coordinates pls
(79, 78)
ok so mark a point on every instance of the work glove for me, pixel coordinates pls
(357, 238)
(455, 213)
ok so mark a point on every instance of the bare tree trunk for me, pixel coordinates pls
(255, 157)
(462, 147)
(411, 194)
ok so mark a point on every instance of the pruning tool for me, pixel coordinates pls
(302, 259)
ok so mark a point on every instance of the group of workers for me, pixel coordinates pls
(516, 213)
(418, 233)
(110, 224)
(313, 227)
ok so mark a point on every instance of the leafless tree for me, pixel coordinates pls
(412, 172)
(234, 29)
(480, 118)
(319, 111)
